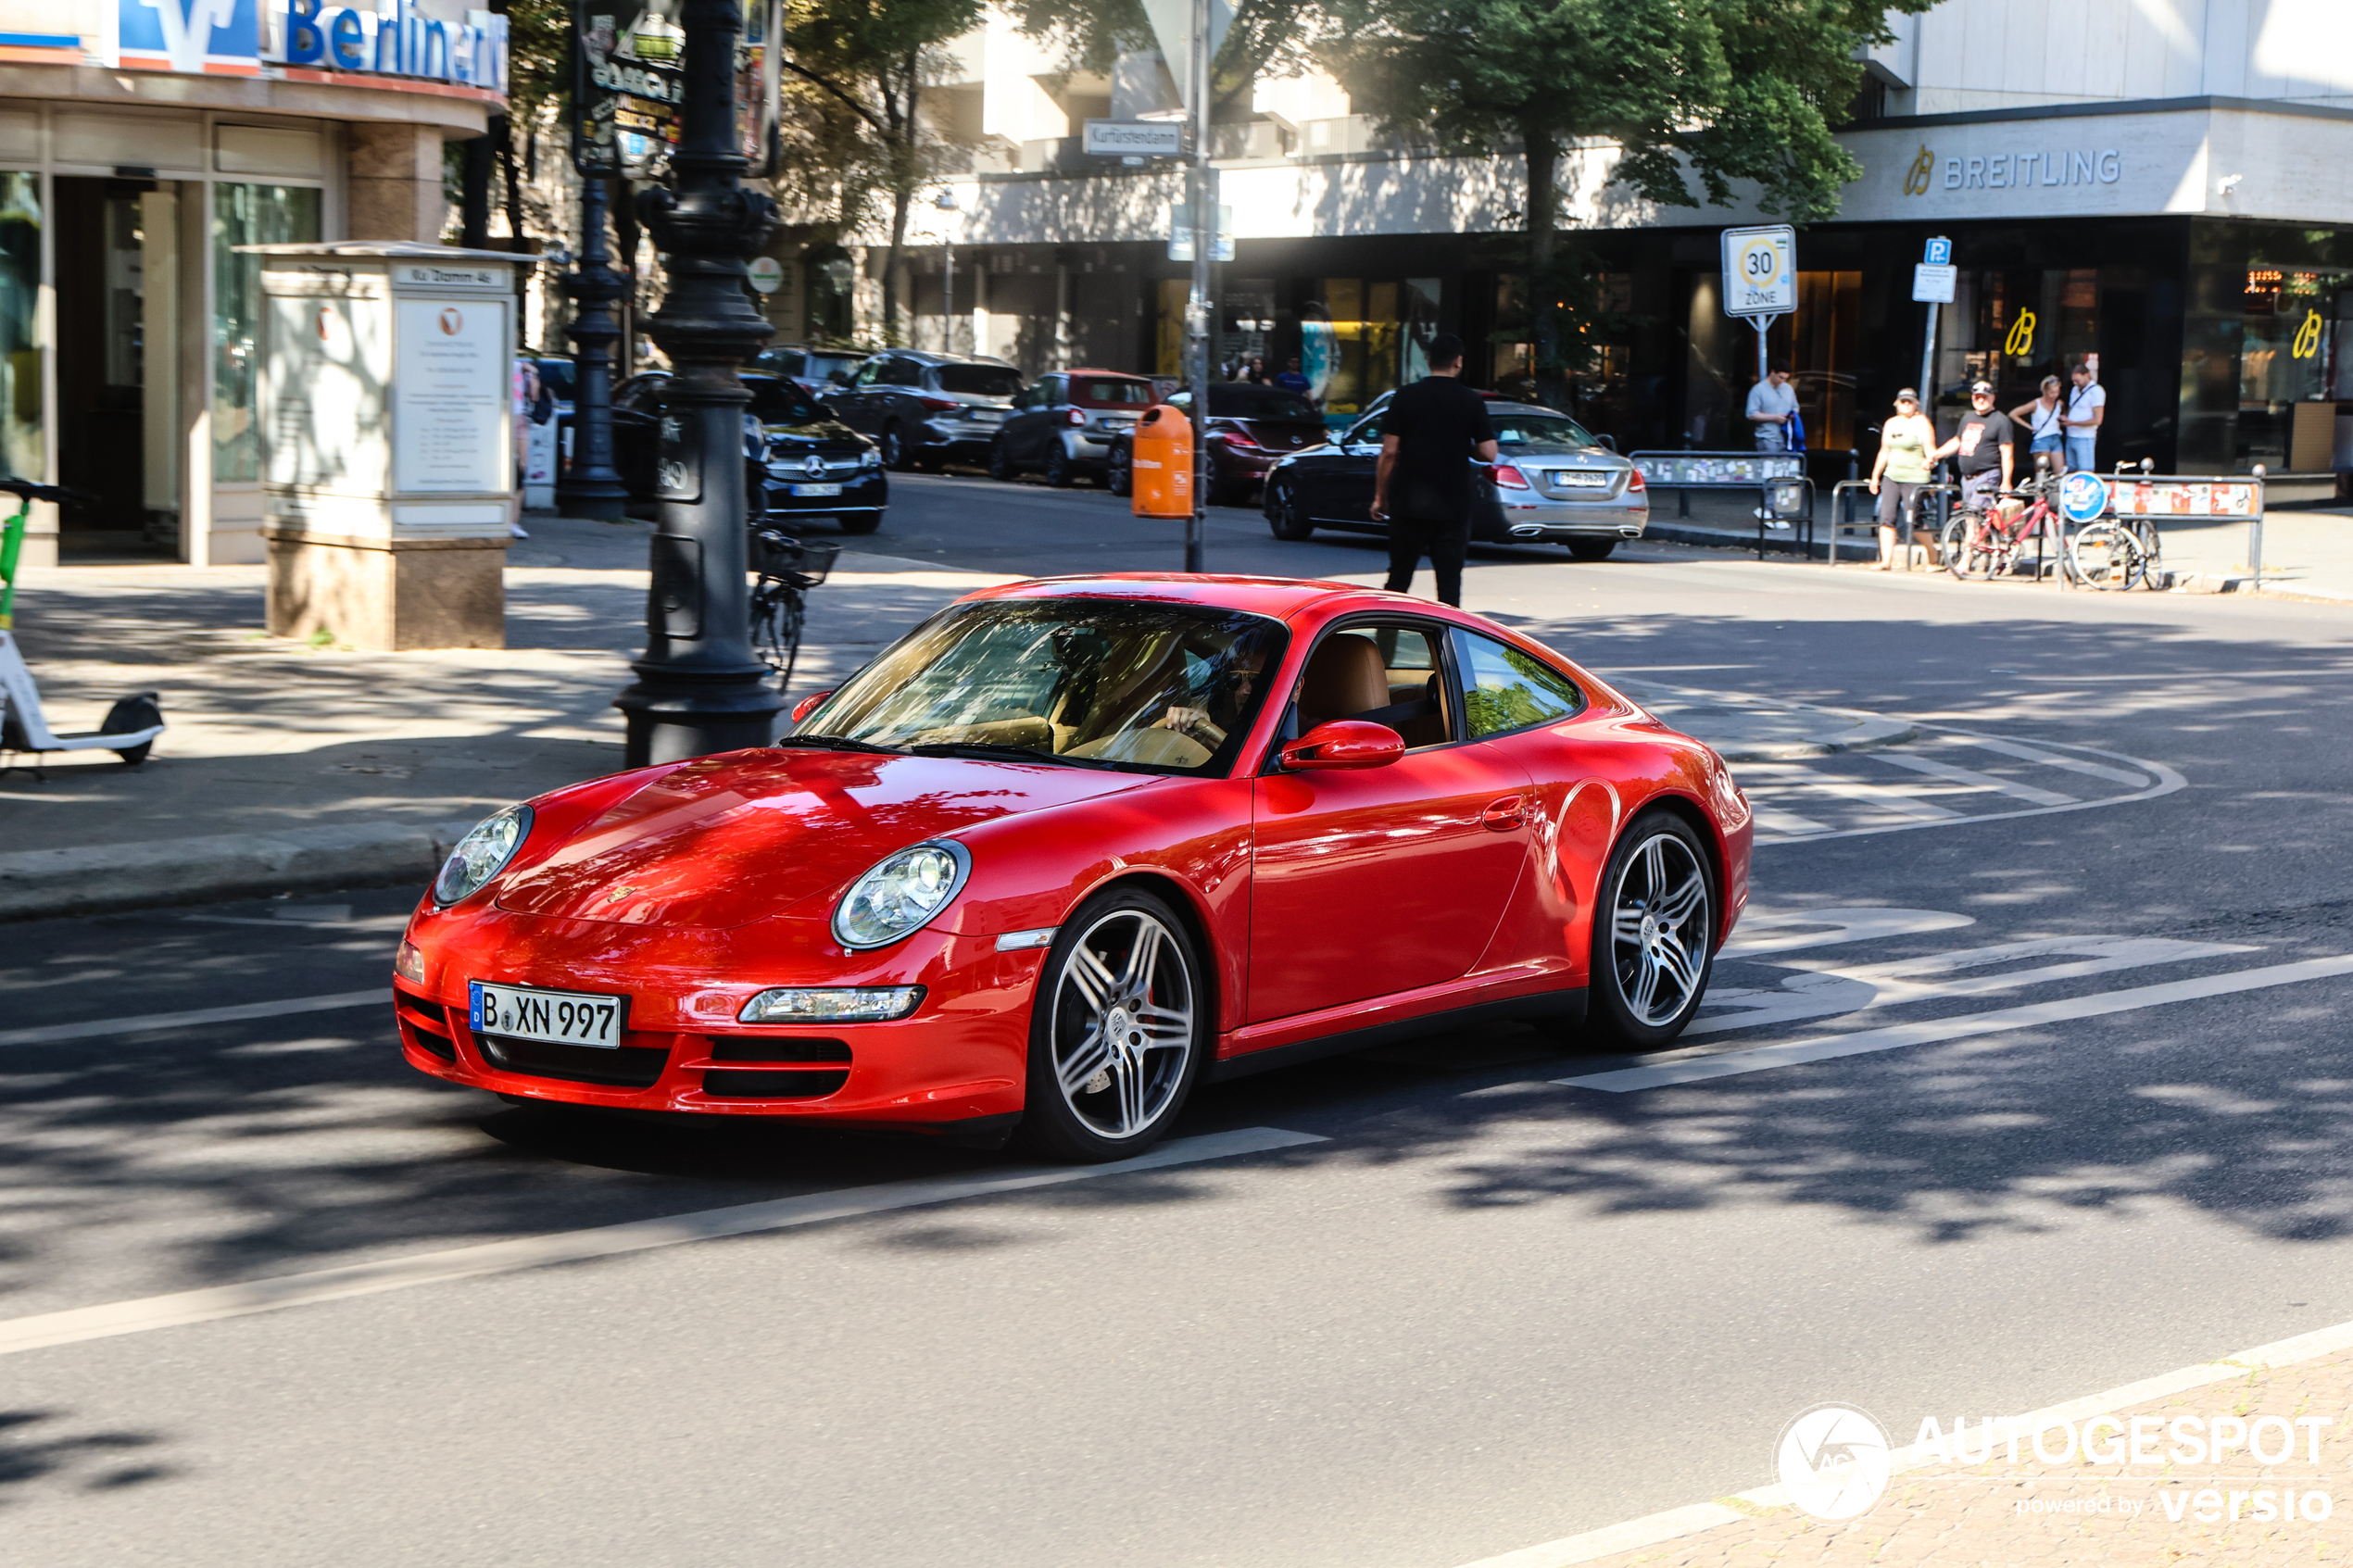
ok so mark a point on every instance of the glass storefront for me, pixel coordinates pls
(20, 398)
(245, 215)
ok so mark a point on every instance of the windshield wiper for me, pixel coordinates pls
(985, 751)
(839, 743)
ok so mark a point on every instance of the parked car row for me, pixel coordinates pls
(826, 424)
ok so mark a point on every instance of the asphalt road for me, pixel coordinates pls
(1479, 1311)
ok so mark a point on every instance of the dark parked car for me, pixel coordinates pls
(928, 409)
(819, 370)
(1065, 424)
(798, 461)
(1551, 481)
(1251, 429)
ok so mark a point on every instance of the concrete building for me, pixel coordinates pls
(141, 143)
(2162, 184)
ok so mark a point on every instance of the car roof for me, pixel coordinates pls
(1094, 371)
(1526, 408)
(1283, 599)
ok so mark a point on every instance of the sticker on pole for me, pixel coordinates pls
(2083, 495)
(1760, 271)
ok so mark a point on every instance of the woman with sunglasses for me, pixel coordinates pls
(1901, 471)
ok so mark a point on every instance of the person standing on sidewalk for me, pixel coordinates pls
(2087, 411)
(1900, 472)
(2043, 419)
(1986, 443)
(1422, 488)
(1772, 402)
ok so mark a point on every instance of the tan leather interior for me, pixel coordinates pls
(1344, 677)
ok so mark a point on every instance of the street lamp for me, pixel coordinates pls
(1197, 310)
(946, 203)
(591, 487)
(699, 689)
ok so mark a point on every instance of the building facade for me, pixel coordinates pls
(142, 143)
(2158, 187)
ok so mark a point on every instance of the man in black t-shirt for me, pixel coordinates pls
(1986, 443)
(1423, 487)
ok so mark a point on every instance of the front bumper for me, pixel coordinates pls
(960, 1059)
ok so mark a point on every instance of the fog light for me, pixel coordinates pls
(842, 1004)
(409, 964)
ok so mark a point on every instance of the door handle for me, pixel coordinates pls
(1503, 815)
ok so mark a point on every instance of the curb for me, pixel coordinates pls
(43, 883)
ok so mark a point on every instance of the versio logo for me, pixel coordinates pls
(1833, 1461)
(1923, 170)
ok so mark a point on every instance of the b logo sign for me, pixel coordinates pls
(1916, 178)
(2308, 337)
(2020, 342)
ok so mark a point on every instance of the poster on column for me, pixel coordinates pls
(449, 394)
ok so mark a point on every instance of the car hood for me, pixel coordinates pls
(817, 432)
(727, 840)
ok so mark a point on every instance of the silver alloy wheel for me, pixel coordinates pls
(1659, 930)
(1123, 1024)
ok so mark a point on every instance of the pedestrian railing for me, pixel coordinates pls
(1931, 508)
(1779, 478)
(2146, 501)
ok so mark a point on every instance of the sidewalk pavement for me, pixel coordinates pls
(2005, 1513)
(287, 768)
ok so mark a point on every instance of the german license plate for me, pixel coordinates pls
(987, 416)
(816, 489)
(1582, 479)
(559, 1018)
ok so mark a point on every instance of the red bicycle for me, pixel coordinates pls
(1983, 542)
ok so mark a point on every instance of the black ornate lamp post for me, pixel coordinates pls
(591, 487)
(699, 689)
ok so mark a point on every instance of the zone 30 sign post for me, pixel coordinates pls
(1760, 278)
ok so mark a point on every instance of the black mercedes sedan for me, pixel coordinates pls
(800, 463)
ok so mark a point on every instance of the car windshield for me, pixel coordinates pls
(1236, 400)
(1153, 687)
(1114, 393)
(1537, 430)
(824, 367)
(556, 376)
(980, 381)
(775, 401)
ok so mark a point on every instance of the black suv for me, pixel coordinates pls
(799, 462)
(928, 409)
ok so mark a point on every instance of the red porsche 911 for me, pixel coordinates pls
(1072, 846)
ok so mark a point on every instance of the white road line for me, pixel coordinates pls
(1905, 803)
(1726, 1064)
(2167, 780)
(52, 1033)
(1695, 1518)
(1779, 821)
(78, 1324)
(1972, 778)
(2052, 759)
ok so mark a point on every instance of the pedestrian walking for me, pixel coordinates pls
(1985, 444)
(2044, 422)
(1422, 486)
(2087, 411)
(1900, 472)
(533, 406)
(1772, 402)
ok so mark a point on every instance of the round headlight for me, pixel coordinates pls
(481, 855)
(901, 894)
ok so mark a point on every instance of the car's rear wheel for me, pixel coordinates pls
(1119, 1031)
(1653, 933)
(1592, 549)
(1059, 472)
(1283, 513)
(1000, 461)
(1120, 476)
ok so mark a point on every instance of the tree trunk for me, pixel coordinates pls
(1544, 227)
(900, 201)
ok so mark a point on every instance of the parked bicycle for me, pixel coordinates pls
(789, 567)
(1989, 541)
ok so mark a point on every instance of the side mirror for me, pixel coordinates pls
(807, 705)
(1608, 443)
(1344, 743)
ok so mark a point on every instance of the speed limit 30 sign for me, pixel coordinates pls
(1760, 271)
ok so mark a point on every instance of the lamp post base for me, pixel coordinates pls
(691, 716)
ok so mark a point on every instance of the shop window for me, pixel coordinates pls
(833, 287)
(1824, 337)
(245, 215)
(21, 407)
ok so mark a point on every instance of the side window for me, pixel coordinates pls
(1389, 674)
(1504, 689)
(902, 372)
(868, 374)
(1049, 391)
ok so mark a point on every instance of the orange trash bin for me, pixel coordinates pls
(1161, 453)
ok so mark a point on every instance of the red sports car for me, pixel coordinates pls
(1069, 847)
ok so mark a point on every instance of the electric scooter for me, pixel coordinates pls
(131, 725)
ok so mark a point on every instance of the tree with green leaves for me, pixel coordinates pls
(859, 67)
(1700, 94)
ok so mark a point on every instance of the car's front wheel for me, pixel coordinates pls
(893, 443)
(1000, 461)
(1284, 514)
(1119, 1031)
(1653, 933)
